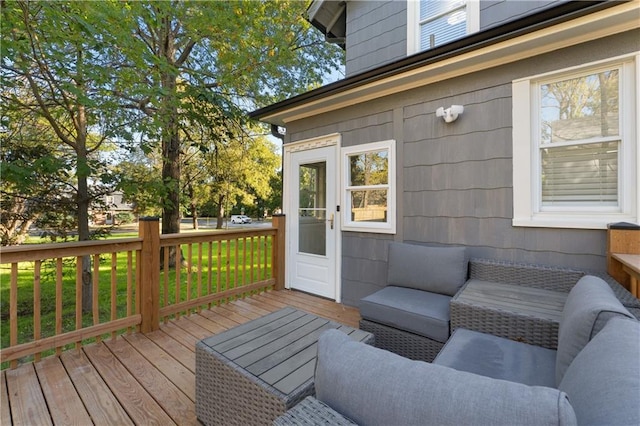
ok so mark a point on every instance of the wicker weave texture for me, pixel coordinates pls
(547, 278)
(226, 395)
(544, 277)
(312, 412)
(401, 342)
(510, 325)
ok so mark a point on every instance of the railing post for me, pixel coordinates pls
(149, 274)
(279, 222)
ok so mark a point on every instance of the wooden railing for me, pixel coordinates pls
(134, 287)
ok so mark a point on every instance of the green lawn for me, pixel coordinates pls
(48, 279)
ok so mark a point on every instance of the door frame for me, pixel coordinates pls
(329, 140)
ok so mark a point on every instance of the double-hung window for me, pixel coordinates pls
(369, 187)
(575, 147)
(432, 23)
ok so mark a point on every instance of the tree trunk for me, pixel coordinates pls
(220, 218)
(83, 201)
(170, 141)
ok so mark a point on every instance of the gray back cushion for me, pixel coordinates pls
(440, 270)
(375, 387)
(603, 381)
(591, 302)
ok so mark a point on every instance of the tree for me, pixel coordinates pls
(232, 53)
(54, 52)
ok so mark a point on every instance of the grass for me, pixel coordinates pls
(187, 289)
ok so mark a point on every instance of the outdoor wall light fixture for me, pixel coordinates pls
(450, 114)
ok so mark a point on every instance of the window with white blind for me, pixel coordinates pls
(575, 145)
(433, 23)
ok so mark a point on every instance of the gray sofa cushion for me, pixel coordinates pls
(603, 381)
(440, 270)
(416, 311)
(590, 303)
(500, 358)
(375, 387)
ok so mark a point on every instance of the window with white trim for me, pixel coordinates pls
(368, 187)
(575, 147)
(432, 23)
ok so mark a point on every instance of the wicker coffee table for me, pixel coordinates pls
(253, 373)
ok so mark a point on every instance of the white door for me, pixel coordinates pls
(312, 218)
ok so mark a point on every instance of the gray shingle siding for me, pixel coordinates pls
(376, 34)
(377, 30)
(455, 180)
(498, 12)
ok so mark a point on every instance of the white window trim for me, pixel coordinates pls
(526, 209)
(388, 227)
(413, 23)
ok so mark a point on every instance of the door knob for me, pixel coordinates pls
(330, 220)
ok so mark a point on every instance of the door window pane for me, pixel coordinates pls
(312, 212)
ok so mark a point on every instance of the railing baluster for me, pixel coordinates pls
(259, 259)
(178, 280)
(236, 264)
(13, 309)
(114, 290)
(165, 267)
(210, 271)
(199, 272)
(219, 266)
(228, 264)
(36, 304)
(129, 286)
(78, 297)
(95, 306)
(189, 280)
(244, 261)
(253, 279)
(58, 300)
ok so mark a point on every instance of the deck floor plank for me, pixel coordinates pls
(137, 378)
(177, 333)
(140, 406)
(173, 401)
(102, 405)
(5, 408)
(214, 315)
(28, 405)
(178, 374)
(65, 405)
(177, 350)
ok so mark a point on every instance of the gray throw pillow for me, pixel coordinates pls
(375, 387)
(589, 302)
(440, 270)
(603, 381)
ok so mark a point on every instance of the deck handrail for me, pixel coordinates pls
(239, 262)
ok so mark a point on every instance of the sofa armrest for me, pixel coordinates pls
(372, 386)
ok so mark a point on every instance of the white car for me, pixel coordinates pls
(240, 218)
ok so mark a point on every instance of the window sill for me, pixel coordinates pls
(575, 222)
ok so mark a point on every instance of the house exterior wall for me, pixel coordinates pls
(454, 181)
(376, 34)
(377, 30)
(494, 13)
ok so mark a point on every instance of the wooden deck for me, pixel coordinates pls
(137, 378)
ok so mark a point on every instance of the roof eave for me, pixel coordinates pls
(557, 15)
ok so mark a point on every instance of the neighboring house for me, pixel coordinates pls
(114, 204)
(544, 155)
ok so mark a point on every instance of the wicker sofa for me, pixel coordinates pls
(593, 377)
(424, 301)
